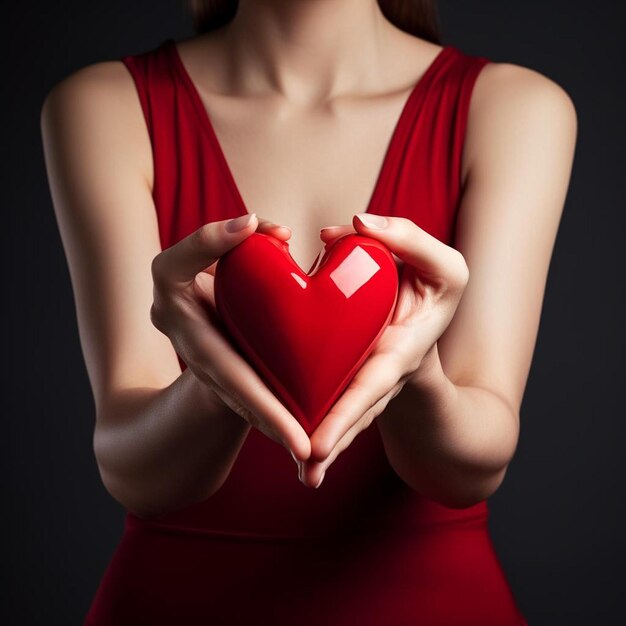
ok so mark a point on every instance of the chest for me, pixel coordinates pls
(306, 170)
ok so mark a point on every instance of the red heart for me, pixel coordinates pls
(306, 334)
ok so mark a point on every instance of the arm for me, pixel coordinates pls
(453, 429)
(162, 439)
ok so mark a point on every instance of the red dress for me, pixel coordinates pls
(364, 548)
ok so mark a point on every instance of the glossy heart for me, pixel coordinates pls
(306, 334)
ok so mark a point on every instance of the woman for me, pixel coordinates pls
(284, 118)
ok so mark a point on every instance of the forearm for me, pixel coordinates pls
(161, 449)
(451, 443)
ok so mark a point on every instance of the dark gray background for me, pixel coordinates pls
(557, 521)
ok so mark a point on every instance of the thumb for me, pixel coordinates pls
(180, 263)
(412, 244)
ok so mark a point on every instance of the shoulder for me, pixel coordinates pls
(98, 101)
(516, 86)
(510, 99)
(103, 82)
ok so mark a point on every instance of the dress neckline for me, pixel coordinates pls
(398, 133)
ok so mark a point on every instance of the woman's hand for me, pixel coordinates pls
(433, 277)
(184, 310)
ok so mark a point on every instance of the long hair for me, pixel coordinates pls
(416, 17)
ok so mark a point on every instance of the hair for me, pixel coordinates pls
(416, 17)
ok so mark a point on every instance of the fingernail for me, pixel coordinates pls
(371, 220)
(239, 223)
(329, 228)
(293, 456)
(321, 479)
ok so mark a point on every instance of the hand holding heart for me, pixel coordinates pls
(432, 280)
(433, 277)
(183, 277)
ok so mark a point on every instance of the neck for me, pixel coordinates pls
(307, 50)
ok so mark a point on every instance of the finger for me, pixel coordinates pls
(275, 230)
(239, 384)
(362, 424)
(180, 263)
(329, 233)
(375, 378)
(264, 226)
(203, 281)
(413, 245)
(312, 471)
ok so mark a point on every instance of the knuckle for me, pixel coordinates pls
(391, 373)
(156, 269)
(156, 317)
(405, 236)
(391, 376)
(458, 275)
(161, 310)
(463, 269)
(202, 238)
(407, 225)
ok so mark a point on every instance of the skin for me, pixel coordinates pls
(445, 382)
